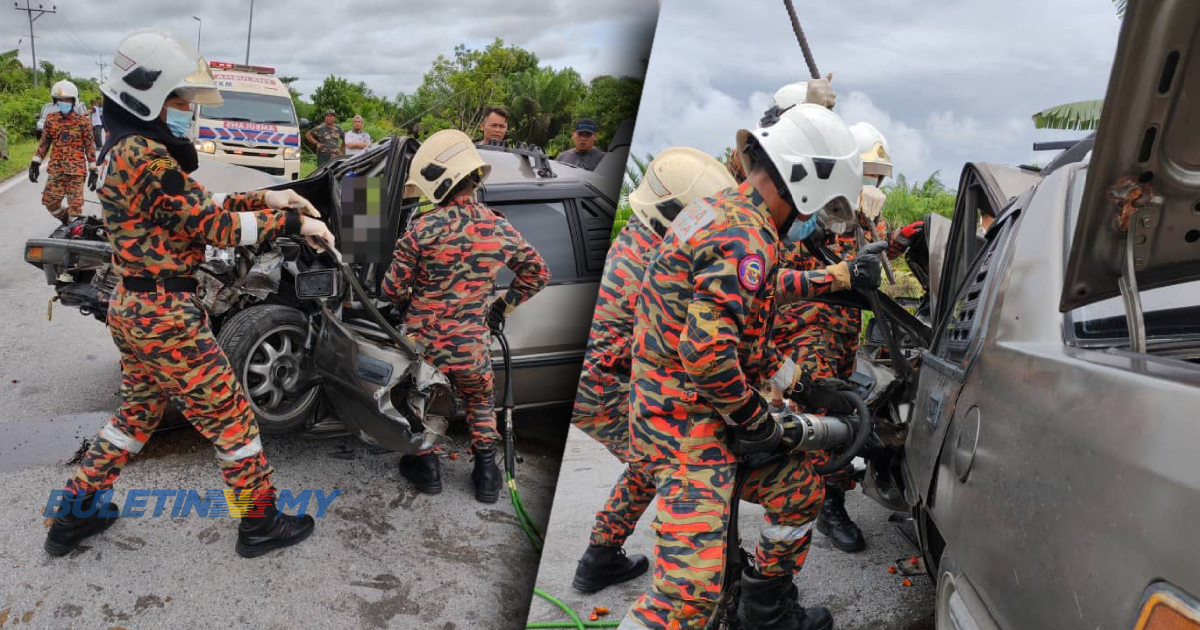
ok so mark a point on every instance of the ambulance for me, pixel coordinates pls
(256, 126)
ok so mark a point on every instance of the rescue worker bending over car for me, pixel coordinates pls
(443, 273)
(700, 348)
(823, 339)
(67, 140)
(159, 220)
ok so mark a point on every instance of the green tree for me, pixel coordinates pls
(470, 81)
(1080, 115)
(542, 101)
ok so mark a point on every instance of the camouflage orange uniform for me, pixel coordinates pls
(701, 345)
(602, 400)
(444, 269)
(159, 221)
(67, 140)
(823, 339)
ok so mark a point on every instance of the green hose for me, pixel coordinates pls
(575, 622)
(523, 517)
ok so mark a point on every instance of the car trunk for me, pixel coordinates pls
(1138, 219)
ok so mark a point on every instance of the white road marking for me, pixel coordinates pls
(16, 179)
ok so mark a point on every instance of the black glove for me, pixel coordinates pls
(866, 267)
(495, 317)
(35, 168)
(824, 394)
(763, 438)
(93, 177)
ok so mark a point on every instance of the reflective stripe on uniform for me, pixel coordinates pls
(120, 439)
(783, 379)
(219, 199)
(450, 152)
(786, 532)
(254, 447)
(249, 228)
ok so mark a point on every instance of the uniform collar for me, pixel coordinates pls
(747, 190)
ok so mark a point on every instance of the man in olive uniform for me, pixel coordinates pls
(327, 138)
(443, 273)
(67, 141)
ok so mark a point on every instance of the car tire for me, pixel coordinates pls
(957, 605)
(265, 347)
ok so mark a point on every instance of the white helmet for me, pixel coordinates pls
(64, 89)
(791, 94)
(674, 178)
(873, 150)
(444, 159)
(149, 65)
(813, 153)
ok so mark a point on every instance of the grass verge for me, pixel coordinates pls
(20, 153)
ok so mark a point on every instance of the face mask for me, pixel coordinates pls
(801, 230)
(179, 121)
(65, 107)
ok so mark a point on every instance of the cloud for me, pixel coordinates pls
(387, 44)
(946, 81)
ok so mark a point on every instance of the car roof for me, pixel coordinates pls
(525, 166)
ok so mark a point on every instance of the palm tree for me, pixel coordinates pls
(1077, 116)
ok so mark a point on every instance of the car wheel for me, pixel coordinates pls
(265, 346)
(958, 605)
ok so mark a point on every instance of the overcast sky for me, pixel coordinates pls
(946, 81)
(389, 44)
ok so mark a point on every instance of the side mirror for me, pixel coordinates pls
(304, 122)
(319, 284)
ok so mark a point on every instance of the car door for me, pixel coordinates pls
(960, 317)
(549, 332)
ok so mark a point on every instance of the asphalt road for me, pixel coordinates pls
(382, 556)
(856, 588)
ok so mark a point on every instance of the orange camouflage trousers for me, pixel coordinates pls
(59, 187)
(168, 352)
(691, 527)
(602, 412)
(468, 365)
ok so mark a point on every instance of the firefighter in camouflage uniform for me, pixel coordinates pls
(823, 339)
(675, 178)
(701, 348)
(67, 141)
(444, 271)
(159, 221)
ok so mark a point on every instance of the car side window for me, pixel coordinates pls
(962, 326)
(545, 225)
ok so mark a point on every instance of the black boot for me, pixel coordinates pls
(771, 603)
(835, 523)
(273, 530)
(424, 471)
(601, 567)
(486, 476)
(69, 530)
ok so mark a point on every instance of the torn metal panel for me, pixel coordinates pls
(385, 393)
(264, 275)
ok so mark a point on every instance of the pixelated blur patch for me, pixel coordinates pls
(364, 223)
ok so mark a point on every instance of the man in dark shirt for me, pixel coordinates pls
(585, 154)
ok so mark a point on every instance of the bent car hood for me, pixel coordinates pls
(1144, 174)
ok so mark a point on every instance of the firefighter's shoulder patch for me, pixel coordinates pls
(751, 272)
